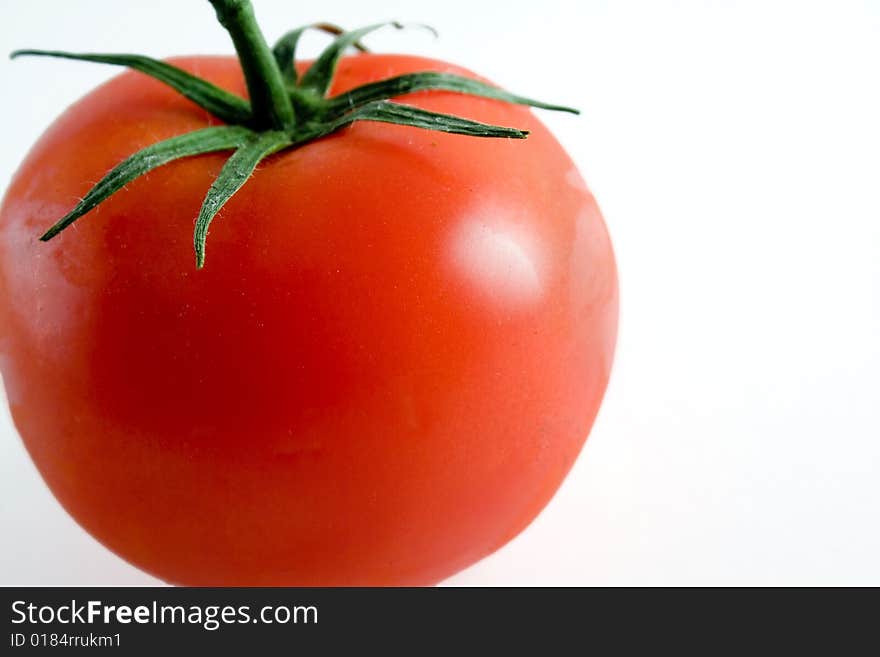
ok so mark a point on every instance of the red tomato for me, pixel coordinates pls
(390, 362)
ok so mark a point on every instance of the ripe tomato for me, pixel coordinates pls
(385, 371)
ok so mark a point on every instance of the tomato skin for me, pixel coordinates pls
(392, 358)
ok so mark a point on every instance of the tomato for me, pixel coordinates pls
(384, 373)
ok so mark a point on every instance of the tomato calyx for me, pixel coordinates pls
(284, 110)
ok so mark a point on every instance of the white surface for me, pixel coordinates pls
(735, 150)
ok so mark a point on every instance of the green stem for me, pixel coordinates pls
(268, 123)
(270, 103)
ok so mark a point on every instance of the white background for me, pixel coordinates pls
(735, 151)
